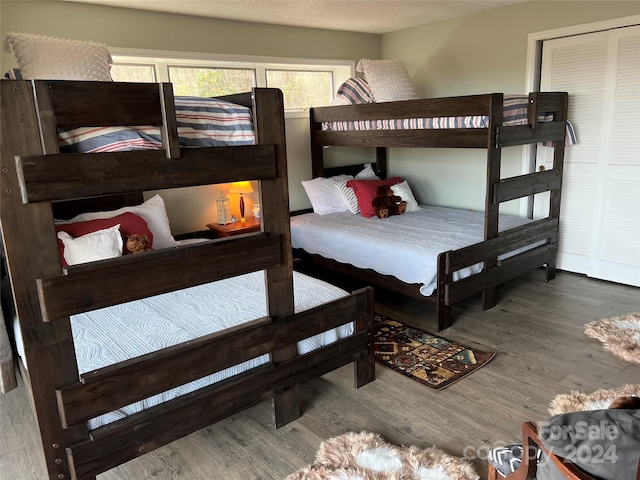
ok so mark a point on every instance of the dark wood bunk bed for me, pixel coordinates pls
(40, 184)
(493, 139)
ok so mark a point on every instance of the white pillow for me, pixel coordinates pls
(404, 192)
(98, 245)
(50, 58)
(349, 195)
(153, 212)
(324, 196)
(367, 173)
(388, 80)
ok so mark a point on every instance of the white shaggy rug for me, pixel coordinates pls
(366, 456)
(598, 400)
(620, 335)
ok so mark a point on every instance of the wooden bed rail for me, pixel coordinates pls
(48, 178)
(112, 387)
(114, 444)
(82, 288)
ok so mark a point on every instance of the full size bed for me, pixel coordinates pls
(125, 354)
(460, 263)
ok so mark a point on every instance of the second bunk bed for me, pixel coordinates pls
(498, 250)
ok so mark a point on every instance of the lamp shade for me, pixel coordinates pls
(241, 187)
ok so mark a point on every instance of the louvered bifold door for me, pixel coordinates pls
(600, 217)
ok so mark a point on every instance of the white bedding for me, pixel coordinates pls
(404, 246)
(114, 334)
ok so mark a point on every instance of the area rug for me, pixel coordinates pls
(598, 400)
(620, 335)
(366, 456)
(423, 357)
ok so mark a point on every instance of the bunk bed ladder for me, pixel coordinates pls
(492, 207)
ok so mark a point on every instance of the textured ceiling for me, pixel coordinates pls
(368, 16)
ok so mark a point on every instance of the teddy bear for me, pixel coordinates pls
(387, 204)
(136, 243)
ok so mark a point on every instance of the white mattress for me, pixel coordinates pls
(114, 334)
(404, 246)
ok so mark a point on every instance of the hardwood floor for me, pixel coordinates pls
(536, 329)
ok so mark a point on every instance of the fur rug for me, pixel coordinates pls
(366, 456)
(598, 400)
(620, 335)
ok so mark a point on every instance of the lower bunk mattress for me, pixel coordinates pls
(113, 334)
(404, 246)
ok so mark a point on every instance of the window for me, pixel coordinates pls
(211, 82)
(304, 83)
(129, 72)
(302, 89)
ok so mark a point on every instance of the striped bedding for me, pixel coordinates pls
(515, 113)
(202, 122)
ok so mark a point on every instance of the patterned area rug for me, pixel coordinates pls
(423, 357)
(620, 335)
(366, 456)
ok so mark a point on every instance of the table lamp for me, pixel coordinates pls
(241, 187)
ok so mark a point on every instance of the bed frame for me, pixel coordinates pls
(38, 182)
(498, 190)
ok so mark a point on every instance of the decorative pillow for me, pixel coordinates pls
(355, 90)
(365, 191)
(153, 212)
(404, 191)
(324, 196)
(388, 80)
(50, 58)
(130, 224)
(348, 193)
(98, 245)
(603, 443)
(367, 173)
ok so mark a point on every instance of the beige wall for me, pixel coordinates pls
(480, 53)
(192, 209)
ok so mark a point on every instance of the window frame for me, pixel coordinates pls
(161, 60)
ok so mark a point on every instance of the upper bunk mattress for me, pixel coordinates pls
(515, 112)
(202, 122)
(404, 246)
(117, 333)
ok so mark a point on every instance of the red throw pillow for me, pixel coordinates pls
(130, 223)
(365, 191)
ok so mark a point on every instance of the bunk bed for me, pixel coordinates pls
(475, 121)
(40, 184)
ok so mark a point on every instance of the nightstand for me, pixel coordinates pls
(231, 229)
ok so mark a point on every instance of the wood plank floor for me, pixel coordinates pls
(536, 329)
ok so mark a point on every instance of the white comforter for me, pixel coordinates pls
(405, 246)
(114, 334)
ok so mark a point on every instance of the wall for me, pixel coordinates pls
(192, 209)
(480, 53)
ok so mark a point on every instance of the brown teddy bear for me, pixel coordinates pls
(136, 243)
(387, 204)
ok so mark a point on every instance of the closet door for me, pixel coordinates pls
(600, 215)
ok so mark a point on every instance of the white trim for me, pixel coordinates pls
(532, 82)
(246, 60)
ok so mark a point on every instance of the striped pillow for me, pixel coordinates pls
(349, 196)
(347, 192)
(355, 90)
